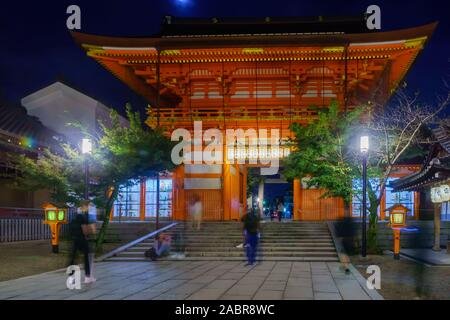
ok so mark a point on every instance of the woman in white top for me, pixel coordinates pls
(196, 211)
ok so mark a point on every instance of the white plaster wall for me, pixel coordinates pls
(58, 105)
(202, 183)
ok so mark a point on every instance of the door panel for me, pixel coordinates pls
(313, 208)
(211, 203)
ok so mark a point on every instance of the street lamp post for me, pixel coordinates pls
(86, 148)
(364, 148)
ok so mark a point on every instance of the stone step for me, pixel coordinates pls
(228, 242)
(223, 224)
(232, 236)
(264, 254)
(229, 245)
(240, 231)
(218, 241)
(304, 259)
(266, 248)
(239, 253)
(264, 233)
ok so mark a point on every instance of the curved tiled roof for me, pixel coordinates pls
(17, 124)
(259, 39)
(179, 26)
(436, 167)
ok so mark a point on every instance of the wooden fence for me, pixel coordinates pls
(24, 228)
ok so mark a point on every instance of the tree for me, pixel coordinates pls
(254, 178)
(396, 133)
(120, 154)
(327, 148)
(323, 155)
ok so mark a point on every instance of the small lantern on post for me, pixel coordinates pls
(397, 221)
(55, 217)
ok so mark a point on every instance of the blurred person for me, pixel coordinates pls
(273, 211)
(280, 210)
(251, 235)
(196, 209)
(80, 230)
(161, 246)
(92, 235)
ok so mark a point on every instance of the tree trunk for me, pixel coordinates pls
(108, 208)
(372, 234)
(372, 243)
(437, 227)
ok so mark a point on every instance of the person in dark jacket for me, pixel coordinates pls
(251, 234)
(79, 231)
(280, 210)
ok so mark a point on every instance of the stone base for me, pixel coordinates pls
(436, 248)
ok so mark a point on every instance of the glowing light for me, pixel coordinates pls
(183, 3)
(241, 153)
(86, 146)
(27, 142)
(410, 229)
(364, 144)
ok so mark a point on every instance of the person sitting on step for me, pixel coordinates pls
(161, 246)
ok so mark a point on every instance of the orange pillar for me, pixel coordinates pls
(396, 243)
(226, 186)
(226, 191)
(111, 213)
(178, 195)
(297, 199)
(235, 189)
(142, 200)
(244, 191)
(383, 206)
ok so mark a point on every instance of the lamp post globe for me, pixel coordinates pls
(86, 146)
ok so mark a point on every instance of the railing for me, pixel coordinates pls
(24, 224)
(135, 242)
(23, 229)
(235, 114)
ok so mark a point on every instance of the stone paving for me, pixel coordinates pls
(439, 258)
(196, 280)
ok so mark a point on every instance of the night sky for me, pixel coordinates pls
(36, 47)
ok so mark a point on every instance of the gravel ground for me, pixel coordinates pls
(407, 280)
(25, 258)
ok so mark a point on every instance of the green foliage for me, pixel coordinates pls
(325, 155)
(119, 154)
(322, 152)
(123, 153)
(252, 180)
(61, 175)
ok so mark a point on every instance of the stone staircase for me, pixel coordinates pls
(286, 241)
(126, 231)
